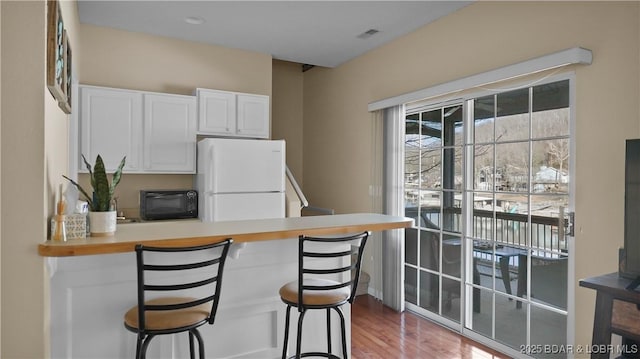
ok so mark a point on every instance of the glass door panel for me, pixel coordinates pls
(433, 197)
(488, 185)
(540, 333)
(519, 195)
(482, 318)
(429, 291)
(450, 295)
(510, 323)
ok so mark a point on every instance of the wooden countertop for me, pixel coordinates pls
(192, 232)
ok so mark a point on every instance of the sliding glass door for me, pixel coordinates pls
(433, 196)
(487, 181)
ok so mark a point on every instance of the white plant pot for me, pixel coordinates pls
(102, 224)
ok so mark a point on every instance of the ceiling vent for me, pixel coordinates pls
(367, 34)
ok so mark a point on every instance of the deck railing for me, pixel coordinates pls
(502, 227)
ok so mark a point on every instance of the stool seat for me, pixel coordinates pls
(162, 320)
(289, 293)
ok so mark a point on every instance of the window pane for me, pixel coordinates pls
(453, 126)
(451, 299)
(483, 167)
(429, 291)
(545, 221)
(512, 122)
(411, 177)
(483, 216)
(507, 319)
(511, 219)
(512, 102)
(482, 320)
(550, 166)
(452, 170)
(550, 123)
(411, 285)
(483, 116)
(412, 124)
(432, 128)
(411, 246)
(549, 329)
(430, 172)
(551, 96)
(550, 110)
(451, 211)
(485, 262)
(429, 250)
(430, 211)
(510, 266)
(451, 256)
(512, 167)
(549, 279)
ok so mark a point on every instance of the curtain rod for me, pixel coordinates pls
(575, 55)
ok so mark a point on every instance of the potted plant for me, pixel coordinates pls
(102, 218)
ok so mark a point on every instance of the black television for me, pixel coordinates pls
(630, 255)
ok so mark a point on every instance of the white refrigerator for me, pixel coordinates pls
(240, 179)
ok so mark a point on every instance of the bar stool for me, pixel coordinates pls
(190, 284)
(314, 290)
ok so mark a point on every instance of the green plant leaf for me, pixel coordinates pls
(117, 175)
(86, 163)
(101, 193)
(102, 190)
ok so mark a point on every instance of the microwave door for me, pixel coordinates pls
(164, 205)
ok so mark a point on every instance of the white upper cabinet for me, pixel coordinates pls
(216, 112)
(157, 132)
(111, 126)
(253, 115)
(169, 133)
(232, 114)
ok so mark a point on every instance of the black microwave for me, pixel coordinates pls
(168, 204)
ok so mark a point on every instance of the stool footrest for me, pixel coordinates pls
(315, 354)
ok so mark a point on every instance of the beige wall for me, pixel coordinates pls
(0, 179)
(22, 117)
(129, 60)
(286, 112)
(477, 38)
(34, 151)
(137, 61)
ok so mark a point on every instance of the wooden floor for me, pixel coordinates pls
(378, 332)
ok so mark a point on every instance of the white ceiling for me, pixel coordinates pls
(322, 33)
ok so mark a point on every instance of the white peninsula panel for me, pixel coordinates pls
(93, 283)
(90, 294)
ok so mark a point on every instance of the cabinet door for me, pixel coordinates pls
(253, 116)
(111, 126)
(216, 112)
(169, 133)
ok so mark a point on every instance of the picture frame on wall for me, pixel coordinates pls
(66, 76)
(58, 57)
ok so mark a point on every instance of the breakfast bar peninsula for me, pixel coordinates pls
(93, 283)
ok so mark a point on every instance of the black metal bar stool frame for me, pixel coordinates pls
(136, 319)
(306, 287)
